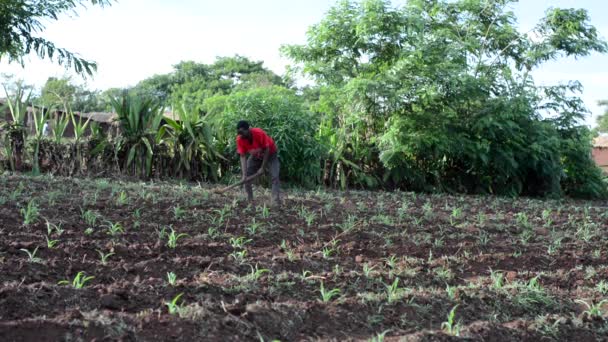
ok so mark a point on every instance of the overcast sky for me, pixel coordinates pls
(134, 39)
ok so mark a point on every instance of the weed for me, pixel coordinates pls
(367, 270)
(602, 287)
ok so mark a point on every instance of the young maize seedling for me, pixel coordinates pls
(239, 256)
(173, 307)
(379, 337)
(593, 310)
(497, 279)
(88, 231)
(326, 296)
(451, 291)
(114, 228)
(178, 213)
(78, 282)
(104, 257)
(122, 198)
(393, 292)
(265, 211)
(253, 227)
(451, 327)
(30, 213)
(367, 270)
(256, 272)
(89, 217)
(239, 243)
(213, 233)
(51, 243)
(171, 278)
(31, 255)
(172, 238)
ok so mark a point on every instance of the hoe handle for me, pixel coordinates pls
(246, 180)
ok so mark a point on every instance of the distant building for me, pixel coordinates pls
(600, 152)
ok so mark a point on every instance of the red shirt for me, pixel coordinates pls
(260, 140)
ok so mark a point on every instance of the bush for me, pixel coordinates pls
(279, 112)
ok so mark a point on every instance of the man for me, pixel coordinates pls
(262, 153)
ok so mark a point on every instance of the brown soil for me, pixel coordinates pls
(544, 256)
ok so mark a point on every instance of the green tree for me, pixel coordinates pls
(60, 93)
(438, 95)
(602, 120)
(20, 23)
(191, 83)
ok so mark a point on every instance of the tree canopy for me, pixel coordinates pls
(22, 21)
(438, 95)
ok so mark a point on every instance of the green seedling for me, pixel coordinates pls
(173, 306)
(171, 278)
(239, 256)
(265, 211)
(367, 270)
(326, 296)
(104, 257)
(31, 255)
(253, 227)
(114, 228)
(89, 217)
(451, 327)
(173, 237)
(393, 292)
(256, 272)
(122, 198)
(78, 282)
(239, 243)
(30, 213)
(51, 243)
(593, 310)
(178, 213)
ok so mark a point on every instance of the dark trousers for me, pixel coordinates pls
(273, 165)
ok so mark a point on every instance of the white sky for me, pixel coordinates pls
(135, 39)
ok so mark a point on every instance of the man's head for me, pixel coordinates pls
(242, 129)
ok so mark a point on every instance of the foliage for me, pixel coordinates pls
(61, 92)
(190, 137)
(192, 83)
(22, 21)
(139, 119)
(16, 133)
(440, 93)
(602, 120)
(281, 114)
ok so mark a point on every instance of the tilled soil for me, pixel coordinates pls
(509, 270)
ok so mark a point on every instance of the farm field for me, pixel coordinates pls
(328, 266)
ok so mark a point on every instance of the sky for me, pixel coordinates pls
(134, 39)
